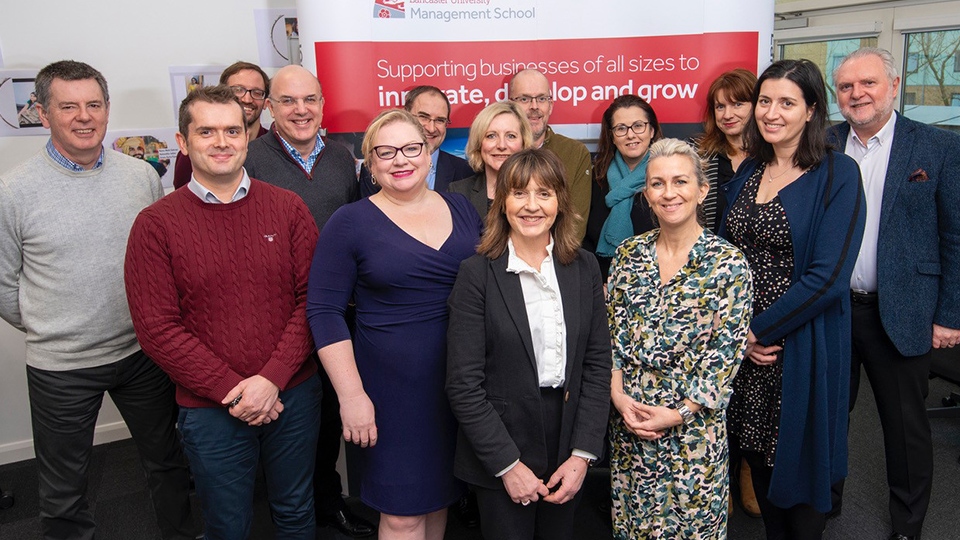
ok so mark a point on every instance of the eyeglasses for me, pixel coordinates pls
(290, 102)
(385, 151)
(526, 100)
(426, 119)
(638, 128)
(241, 91)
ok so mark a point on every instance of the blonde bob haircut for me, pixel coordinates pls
(482, 123)
(390, 116)
(516, 173)
(675, 147)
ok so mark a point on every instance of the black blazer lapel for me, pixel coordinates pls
(509, 284)
(568, 276)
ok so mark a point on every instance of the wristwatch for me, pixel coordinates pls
(685, 413)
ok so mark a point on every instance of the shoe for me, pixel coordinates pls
(467, 510)
(898, 536)
(350, 524)
(748, 498)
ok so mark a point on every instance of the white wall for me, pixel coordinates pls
(132, 44)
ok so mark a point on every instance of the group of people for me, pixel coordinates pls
(490, 326)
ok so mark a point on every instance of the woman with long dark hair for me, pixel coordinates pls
(796, 210)
(617, 209)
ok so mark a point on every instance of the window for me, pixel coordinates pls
(827, 55)
(931, 75)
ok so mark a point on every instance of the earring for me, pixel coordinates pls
(373, 179)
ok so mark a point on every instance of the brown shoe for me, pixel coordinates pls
(748, 498)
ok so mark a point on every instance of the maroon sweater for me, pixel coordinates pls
(218, 291)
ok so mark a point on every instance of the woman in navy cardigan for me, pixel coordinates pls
(796, 210)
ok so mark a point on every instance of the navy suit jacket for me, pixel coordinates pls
(918, 253)
(492, 379)
(449, 169)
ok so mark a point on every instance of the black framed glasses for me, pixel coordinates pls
(255, 93)
(526, 100)
(639, 128)
(385, 151)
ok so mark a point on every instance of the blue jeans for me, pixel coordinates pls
(224, 452)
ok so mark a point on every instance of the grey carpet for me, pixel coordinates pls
(123, 512)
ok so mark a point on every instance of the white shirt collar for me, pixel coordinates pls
(517, 265)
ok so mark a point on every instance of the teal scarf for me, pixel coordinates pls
(624, 184)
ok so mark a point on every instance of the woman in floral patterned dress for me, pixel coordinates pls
(679, 310)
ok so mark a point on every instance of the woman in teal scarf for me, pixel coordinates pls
(617, 209)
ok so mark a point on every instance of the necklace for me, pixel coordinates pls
(772, 177)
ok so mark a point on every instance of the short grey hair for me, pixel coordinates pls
(889, 64)
(676, 147)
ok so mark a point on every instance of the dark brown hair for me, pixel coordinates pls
(418, 91)
(813, 141)
(237, 67)
(221, 94)
(606, 150)
(516, 172)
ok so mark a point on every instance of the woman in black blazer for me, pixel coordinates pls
(528, 364)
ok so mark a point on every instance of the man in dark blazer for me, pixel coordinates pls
(432, 108)
(496, 393)
(906, 283)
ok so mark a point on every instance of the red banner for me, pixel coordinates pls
(673, 73)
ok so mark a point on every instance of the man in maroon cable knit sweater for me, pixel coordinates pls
(216, 278)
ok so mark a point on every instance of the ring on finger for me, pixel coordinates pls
(525, 503)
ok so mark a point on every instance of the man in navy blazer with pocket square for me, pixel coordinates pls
(906, 283)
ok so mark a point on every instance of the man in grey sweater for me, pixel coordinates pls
(65, 214)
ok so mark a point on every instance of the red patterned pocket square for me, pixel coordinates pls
(919, 175)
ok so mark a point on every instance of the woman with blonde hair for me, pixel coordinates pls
(679, 311)
(396, 255)
(499, 131)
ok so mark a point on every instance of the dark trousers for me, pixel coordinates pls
(63, 408)
(327, 487)
(900, 387)
(503, 519)
(224, 453)
(800, 522)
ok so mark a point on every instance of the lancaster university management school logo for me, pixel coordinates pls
(388, 9)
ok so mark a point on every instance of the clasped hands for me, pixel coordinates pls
(649, 422)
(259, 401)
(761, 355)
(524, 487)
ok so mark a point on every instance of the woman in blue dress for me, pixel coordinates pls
(396, 255)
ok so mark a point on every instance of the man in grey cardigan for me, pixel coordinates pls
(65, 214)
